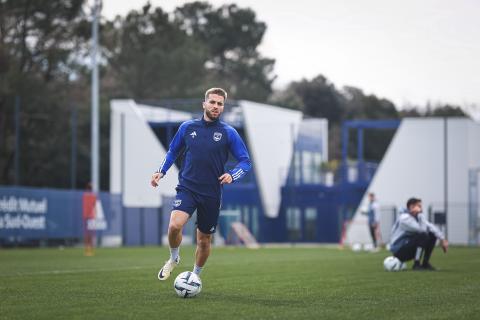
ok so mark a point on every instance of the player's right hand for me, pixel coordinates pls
(444, 245)
(156, 178)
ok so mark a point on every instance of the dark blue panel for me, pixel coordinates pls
(113, 210)
(152, 235)
(132, 227)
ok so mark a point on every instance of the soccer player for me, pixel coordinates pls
(413, 235)
(373, 219)
(205, 144)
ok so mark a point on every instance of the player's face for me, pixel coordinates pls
(213, 106)
(416, 208)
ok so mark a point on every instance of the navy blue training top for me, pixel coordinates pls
(206, 146)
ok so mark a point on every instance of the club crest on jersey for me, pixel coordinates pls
(193, 134)
(177, 203)
(217, 136)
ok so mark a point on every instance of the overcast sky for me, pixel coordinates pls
(409, 51)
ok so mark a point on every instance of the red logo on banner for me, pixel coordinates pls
(88, 214)
(89, 202)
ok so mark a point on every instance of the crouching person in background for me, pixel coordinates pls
(413, 236)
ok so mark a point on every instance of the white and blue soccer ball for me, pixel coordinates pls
(393, 264)
(187, 285)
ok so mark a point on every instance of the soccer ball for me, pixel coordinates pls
(356, 247)
(187, 285)
(393, 264)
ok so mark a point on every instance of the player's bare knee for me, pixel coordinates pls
(203, 243)
(174, 227)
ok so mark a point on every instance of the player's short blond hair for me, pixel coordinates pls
(219, 91)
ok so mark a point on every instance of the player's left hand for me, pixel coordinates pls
(225, 178)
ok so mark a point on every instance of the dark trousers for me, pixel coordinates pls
(373, 234)
(424, 240)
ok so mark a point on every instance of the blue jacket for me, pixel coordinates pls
(206, 146)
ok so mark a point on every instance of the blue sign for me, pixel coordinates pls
(30, 213)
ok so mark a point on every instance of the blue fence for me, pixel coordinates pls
(30, 214)
(142, 226)
(308, 213)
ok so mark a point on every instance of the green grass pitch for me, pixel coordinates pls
(273, 283)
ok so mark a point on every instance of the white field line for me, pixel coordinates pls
(71, 271)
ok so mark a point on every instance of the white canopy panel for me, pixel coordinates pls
(271, 132)
(135, 153)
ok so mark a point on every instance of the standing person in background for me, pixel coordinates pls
(373, 214)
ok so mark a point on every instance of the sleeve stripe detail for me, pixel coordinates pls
(237, 175)
(237, 172)
(163, 162)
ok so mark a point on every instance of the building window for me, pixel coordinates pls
(317, 160)
(310, 167)
(297, 168)
(310, 224)
(307, 167)
(246, 217)
(293, 224)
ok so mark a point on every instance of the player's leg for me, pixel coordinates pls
(183, 208)
(405, 253)
(208, 211)
(178, 219)
(204, 241)
(413, 249)
(429, 246)
(378, 235)
(372, 233)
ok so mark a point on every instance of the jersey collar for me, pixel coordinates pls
(209, 123)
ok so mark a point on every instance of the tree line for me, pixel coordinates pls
(149, 54)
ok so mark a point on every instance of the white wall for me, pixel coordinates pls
(142, 155)
(474, 165)
(457, 208)
(473, 145)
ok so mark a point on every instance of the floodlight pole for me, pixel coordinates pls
(95, 159)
